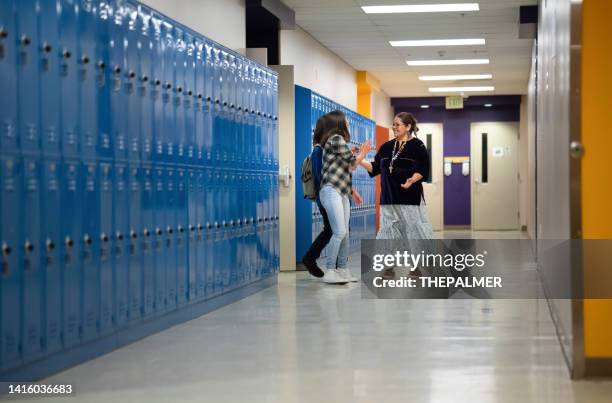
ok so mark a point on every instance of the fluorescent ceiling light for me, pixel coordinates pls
(438, 42)
(488, 105)
(457, 77)
(421, 8)
(461, 89)
(456, 62)
(424, 106)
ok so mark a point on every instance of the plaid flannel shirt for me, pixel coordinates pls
(337, 161)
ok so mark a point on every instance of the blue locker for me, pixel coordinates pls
(106, 246)
(148, 233)
(182, 238)
(161, 241)
(238, 115)
(200, 102)
(171, 247)
(209, 96)
(217, 127)
(147, 84)
(133, 81)
(159, 94)
(230, 106)
(90, 247)
(192, 212)
(201, 244)
(69, 79)
(71, 208)
(11, 278)
(169, 98)
(232, 195)
(189, 100)
(28, 76)
(51, 234)
(121, 243)
(50, 88)
(8, 77)
(104, 75)
(135, 243)
(217, 216)
(252, 191)
(210, 190)
(31, 300)
(117, 84)
(178, 134)
(87, 77)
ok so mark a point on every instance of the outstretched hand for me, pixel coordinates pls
(407, 184)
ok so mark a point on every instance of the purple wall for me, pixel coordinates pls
(456, 123)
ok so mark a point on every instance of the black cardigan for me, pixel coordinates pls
(413, 158)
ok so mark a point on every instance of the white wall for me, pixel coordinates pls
(318, 68)
(222, 21)
(382, 111)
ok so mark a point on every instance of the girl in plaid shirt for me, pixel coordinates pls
(336, 189)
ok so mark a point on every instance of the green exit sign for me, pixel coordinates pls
(454, 102)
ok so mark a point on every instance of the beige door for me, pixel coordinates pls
(431, 135)
(494, 166)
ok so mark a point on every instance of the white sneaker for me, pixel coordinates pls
(346, 273)
(333, 276)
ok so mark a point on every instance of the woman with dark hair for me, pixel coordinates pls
(324, 124)
(336, 189)
(402, 163)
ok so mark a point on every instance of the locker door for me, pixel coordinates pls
(171, 247)
(31, 301)
(118, 97)
(240, 97)
(135, 244)
(71, 224)
(189, 99)
(192, 213)
(148, 233)
(133, 81)
(210, 191)
(182, 246)
(121, 252)
(104, 78)
(106, 247)
(90, 246)
(160, 240)
(253, 225)
(28, 76)
(158, 95)
(219, 253)
(180, 89)
(209, 95)
(232, 193)
(50, 89)
(200, 94)
(10, 232)
(69, 79)
(216, 133)
(231, 110)
(51, 230)
(8, 77)
(146, 84)
(168, 51)
(86, 71)
(200, 220)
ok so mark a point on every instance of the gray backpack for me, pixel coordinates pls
(308, 182)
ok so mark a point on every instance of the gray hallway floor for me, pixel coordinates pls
(303, 341)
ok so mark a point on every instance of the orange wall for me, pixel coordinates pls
(596, 180)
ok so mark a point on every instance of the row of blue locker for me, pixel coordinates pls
(100, 79)
(90, 247)
(360, 127)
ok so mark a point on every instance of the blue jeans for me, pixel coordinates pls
(339, 212)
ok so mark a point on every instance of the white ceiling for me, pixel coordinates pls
(362, 40)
